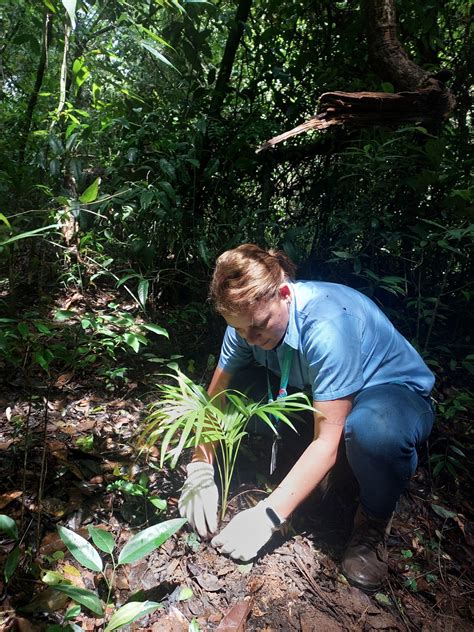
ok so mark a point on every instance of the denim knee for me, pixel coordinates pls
(382, 432)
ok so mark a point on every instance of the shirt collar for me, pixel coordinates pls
(291, 336)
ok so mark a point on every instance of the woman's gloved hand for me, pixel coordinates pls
(245, 534)
(199, 498)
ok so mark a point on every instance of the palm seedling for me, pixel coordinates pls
(185, 416)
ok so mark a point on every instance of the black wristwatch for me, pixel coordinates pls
(274, 517)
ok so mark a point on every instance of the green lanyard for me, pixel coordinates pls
(285, 368)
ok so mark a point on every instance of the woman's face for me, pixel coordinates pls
(264, 325)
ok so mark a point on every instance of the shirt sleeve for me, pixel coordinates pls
(332, 349)
(235, 352)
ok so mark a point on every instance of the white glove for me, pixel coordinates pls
(245, 534)
(199, 498)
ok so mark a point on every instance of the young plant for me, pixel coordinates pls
(88, 556)
(186, 416)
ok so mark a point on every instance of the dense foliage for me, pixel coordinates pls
(128, 153)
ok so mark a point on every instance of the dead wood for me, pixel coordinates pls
(423, 98)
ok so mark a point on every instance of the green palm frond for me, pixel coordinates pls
(185, 416)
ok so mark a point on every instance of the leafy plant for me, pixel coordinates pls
(138, 489)
(76, 340)
(138, 546)
(186, 416)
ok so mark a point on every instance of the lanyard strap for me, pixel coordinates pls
(285, 368)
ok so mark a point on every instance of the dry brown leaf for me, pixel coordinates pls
(234, 619)
(49, 600)
(6, 499)
(174, 621)
(209, 582)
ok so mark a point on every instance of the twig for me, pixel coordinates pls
(398, 606)
(26, 431)
(315, 589)
(43, 471)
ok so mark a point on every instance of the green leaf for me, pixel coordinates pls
(143, 287)
(156, 329)
(52, 578)
(158, 55)
(29, 233)
(148, 540)
(64, 314)
(131, 612)
(159, 503)
(72, 613)
(194, 626)
(85, 597)
(8, 526)
(185, 593)
(11, 563)
(4, 220)
(70, 6)
(132, 341)
(91, 193)
(80, 548)
(444, 513)
(102, 539)
(383, 599)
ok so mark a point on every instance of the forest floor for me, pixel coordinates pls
(69, 456)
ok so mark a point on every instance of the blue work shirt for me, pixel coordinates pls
(343, 343)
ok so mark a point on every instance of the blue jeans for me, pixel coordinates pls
(386, 425)
(382, 433)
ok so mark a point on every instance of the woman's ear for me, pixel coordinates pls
(285, 292)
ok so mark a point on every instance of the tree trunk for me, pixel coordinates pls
(34, 95)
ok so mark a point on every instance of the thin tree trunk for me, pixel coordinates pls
(37, 87)
(221, 90)
(223, 78)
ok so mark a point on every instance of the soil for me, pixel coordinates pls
(63, 453)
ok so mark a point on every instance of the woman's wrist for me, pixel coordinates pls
(204, 452)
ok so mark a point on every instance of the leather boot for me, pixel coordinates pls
(365, 558)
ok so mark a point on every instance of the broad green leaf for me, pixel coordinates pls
(102, 539)
(131, 612)
(143, 287)
(11, 563)
(156, 329)
(148, 540)
(70, 6)
(91, 193)
(85, 597)
(80, 548)
(132, 342)
(8, 526)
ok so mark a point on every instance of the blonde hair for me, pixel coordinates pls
(246, 275)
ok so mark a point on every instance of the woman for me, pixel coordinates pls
(369, 386)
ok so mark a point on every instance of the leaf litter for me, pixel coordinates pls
(295, 585)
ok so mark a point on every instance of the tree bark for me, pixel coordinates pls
(225, 70)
